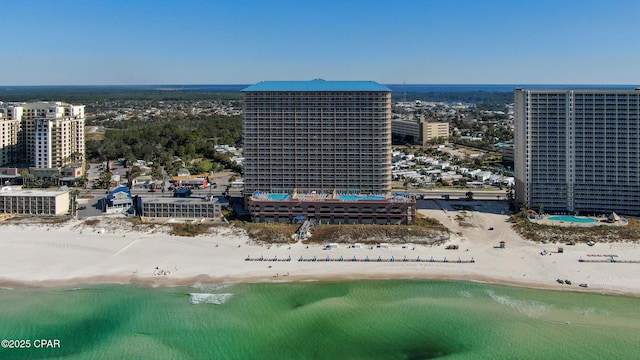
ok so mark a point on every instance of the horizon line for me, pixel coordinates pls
(398, 84)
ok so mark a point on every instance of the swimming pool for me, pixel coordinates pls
(278, 196)
(574, 219)
(359, 197)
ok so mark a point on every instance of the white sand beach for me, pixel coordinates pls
(75, 253)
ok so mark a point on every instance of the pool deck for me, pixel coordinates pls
(393, 197)
(601, 221)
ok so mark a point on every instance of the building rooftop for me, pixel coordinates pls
(177, 200)
(8, 191)
(621, 89)
(316, 85)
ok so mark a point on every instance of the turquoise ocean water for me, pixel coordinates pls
(316, 320)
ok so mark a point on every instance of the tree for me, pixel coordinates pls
(511, 198)
(206, 165)
(105, 179)
(524, 210)
(134, 172)
(510, 195)
(469, 195)
(156, 171)
(26, 176)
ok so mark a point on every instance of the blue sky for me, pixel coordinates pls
(94, 42)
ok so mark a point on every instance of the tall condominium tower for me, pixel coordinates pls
(41, 134)
(317, 136)
(578, 150)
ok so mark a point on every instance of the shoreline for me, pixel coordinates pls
(40, 255)
(209, 280)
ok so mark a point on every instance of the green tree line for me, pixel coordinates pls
(90, 94)
(165, 138)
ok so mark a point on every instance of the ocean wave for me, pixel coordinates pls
(464, 294)
(584, 311)
(531, 309)
(202, 298)
(590, 311)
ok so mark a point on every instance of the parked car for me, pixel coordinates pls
(152, 190)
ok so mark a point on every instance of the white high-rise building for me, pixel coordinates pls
(47, 135)
(578, 150)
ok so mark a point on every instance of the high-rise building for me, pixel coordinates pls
(578, 150)
(45, 135)
(317, 136)
(320, 149)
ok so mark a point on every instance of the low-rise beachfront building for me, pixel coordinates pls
(118, 200)
(34, 202)
(395, 208)
(180, 208)
(10, 176)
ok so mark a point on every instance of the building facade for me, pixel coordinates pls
(316, 145)
(180, 208)
(9, 140)
(419, 130)
(367, 209)
(317, 136)
(578, 150)
(507, 155)
(47, 135)
(118, 200)
(434, 130)
(34, 202)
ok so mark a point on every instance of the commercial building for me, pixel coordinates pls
(34, 202)
(46, 135)
(180, 208)
(419, 130)
(10, 176)
(316, 138)
(578, 150)
(379, 209)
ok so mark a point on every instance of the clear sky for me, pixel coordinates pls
(100, 42)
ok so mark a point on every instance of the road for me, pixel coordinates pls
(460, 193)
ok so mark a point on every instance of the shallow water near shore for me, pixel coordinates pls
(391, 319)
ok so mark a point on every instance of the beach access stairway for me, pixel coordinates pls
(303, 231)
